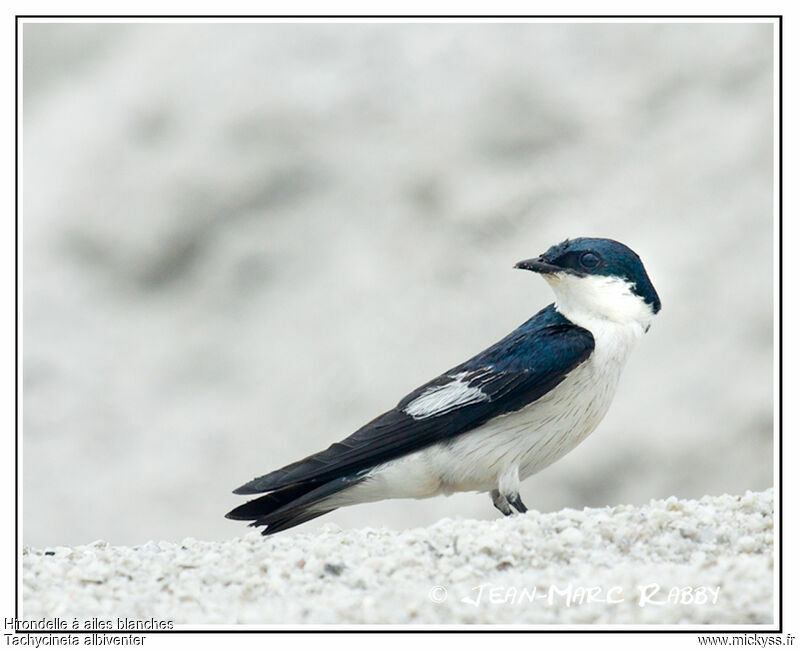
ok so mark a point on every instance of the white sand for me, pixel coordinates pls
(719, 546)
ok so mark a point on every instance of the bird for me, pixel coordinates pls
(494, 420)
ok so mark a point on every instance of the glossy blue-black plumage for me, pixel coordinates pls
(514, 372)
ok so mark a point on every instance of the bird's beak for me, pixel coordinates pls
(538, 265)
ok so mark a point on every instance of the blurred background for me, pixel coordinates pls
(243, 241)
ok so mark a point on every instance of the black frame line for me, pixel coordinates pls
(388, 629)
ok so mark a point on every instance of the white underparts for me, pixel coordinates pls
(509, 448)
(439, 400)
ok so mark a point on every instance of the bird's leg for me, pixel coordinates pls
(508, 491)
(500, 502)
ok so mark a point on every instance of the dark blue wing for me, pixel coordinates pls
(514, 372)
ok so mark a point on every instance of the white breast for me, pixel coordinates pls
(544, 431)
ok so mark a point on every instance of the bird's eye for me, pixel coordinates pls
(590, 260)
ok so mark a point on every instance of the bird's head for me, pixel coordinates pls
(597, 278)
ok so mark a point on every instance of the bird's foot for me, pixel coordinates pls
(504, 502)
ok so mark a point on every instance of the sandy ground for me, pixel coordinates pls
(707, 561)
(243, 242)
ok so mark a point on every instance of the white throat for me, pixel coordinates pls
(600, 301)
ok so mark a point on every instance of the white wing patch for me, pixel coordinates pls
(439, 400)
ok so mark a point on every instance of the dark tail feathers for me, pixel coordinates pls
(291, 505)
